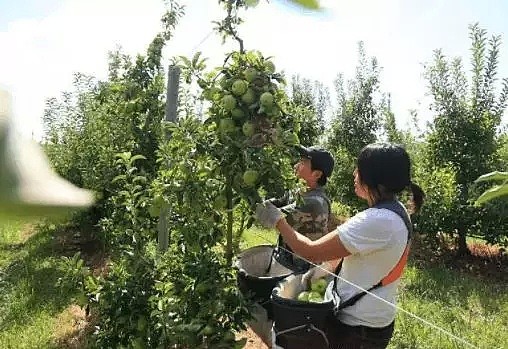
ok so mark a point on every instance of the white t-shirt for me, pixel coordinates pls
(376, 239)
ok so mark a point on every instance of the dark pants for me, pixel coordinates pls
(359, 337)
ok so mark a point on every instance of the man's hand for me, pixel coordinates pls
(267, 214)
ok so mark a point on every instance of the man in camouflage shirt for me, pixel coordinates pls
(307, 212)
(310, 210)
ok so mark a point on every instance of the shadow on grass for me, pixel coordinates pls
(451, 288)
(29, 282)
(464, 305)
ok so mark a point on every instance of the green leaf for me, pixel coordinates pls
(141, 179)
(492, 176)
(124, 155)
(497, 191)
(185, 61)
(195, 59)
(137, 157)
(119, 177)
(239, 344)
(310, 4)
(124, 193)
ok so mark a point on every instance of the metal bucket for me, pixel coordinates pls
(258, 273)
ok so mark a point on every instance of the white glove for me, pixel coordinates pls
(267, 214)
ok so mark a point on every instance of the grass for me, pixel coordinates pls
(469, 308)
(34, 313)
(258, 236)
(30, 301)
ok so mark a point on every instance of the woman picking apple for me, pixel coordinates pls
(373, 245)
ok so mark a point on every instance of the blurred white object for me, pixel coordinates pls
(29, 188)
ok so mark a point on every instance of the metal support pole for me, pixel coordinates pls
(170, 115)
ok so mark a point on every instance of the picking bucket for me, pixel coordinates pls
(298, 324)
(258, 273)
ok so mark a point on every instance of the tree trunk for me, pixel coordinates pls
(463, 250)
(229, 232)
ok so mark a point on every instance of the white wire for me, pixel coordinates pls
(459, 339)
(448, 333)
(201, 42)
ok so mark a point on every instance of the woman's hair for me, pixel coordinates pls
(385, 169)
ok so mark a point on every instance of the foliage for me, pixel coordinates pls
(463, 133)
(127, 226)
(496, 191)
(79, 138)
(340, 185)
(228, 27)
(354, 125)
(501, 189)
(191, 184)
(149, 300)
(503, 150)
(392, 133)
(249, 132)
(309, 103)
(357, 118)
(441, 192)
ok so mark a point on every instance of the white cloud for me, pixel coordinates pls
(39, 56)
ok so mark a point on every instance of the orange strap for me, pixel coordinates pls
(397, 271)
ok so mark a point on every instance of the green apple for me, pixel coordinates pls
(266, 100)
(315, 297)
(249, 97)
(237, 114)
(229, 102)
(142, 324)
(250, 74)
(250, 177)
(220, 202)
(319, 286)
(229, 336)
(226, 125)
(270, 67)
(239, 87)
(291, 139)
(157, 204)
(303, 296)
(208, 330)
(248, 129)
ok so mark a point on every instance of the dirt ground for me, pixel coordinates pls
(253, 341)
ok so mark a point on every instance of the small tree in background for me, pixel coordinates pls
(463, 134)
(355, 124)
(309, 102)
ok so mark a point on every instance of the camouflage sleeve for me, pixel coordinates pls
(309, 217)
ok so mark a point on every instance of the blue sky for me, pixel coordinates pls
(19, 9)
(44, 42)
